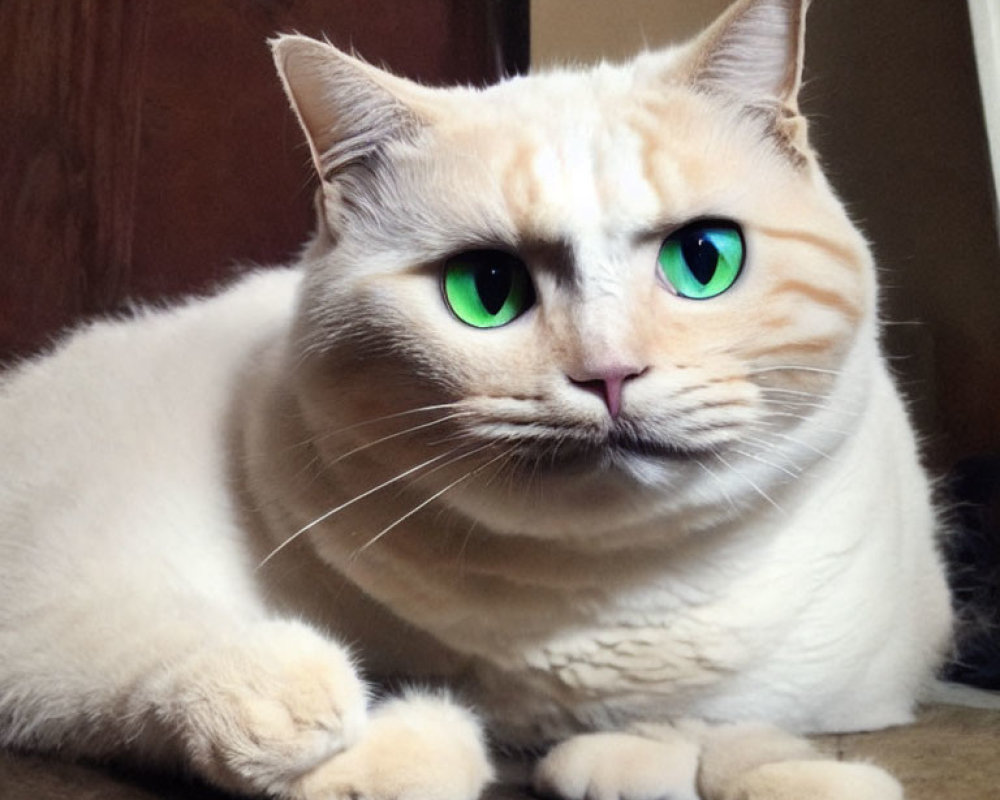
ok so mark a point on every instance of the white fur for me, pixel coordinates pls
(200, 507)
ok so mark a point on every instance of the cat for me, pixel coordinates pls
(570, 425)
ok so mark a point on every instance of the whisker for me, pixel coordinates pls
(507, 471)
(792, 440)
(767, 463)
(391, 436)
(456, 436)
(317, 457)
(805, 404)
(463, 549)
(804, 418)
(386, 418)
(451, 461)
(752, 485)
(719, 482)
(470, 474)
(796, 392)
(797, 367)
(325, 516)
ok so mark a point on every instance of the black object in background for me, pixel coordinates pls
(973, 550)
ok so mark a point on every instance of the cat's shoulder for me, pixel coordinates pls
(256, 299)
(218, 325)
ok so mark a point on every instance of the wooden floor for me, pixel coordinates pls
(951, 753)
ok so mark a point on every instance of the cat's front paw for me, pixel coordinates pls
(620, 766)
(416, 748)
(265, 706)
(760, 762)
(813, 780)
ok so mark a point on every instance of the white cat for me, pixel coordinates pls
(574, 405)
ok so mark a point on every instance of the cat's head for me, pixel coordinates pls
(580, 300)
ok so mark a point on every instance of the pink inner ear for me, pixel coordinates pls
(755, 51)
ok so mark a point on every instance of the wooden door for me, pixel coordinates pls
(148, 149)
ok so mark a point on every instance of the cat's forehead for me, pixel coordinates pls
(598, 150)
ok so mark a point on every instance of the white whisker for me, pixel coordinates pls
(767, 463)
(386, 417)
(463, 549)
(796, 392)
(457, 436)
(470, 474)
(804, 404)
(318, 458)
(752, 485)
(796, 367)
(352, 501)
(804, 418)
(391, 436)
(792, 440)
(720, 483)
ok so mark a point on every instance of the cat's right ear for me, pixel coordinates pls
(347, 108)
(753, 55)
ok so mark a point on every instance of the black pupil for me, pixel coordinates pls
(494, 284)
(701, 257)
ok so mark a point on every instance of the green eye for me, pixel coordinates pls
(703, 259)
(487, 288)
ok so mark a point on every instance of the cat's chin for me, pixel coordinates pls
(614, 477)
(621, 455)
(610, 499)
(615, 489)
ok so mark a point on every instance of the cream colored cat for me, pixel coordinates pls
(574, 405)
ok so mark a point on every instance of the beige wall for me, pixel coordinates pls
(575, 31)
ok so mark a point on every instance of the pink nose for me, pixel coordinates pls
(607, 384)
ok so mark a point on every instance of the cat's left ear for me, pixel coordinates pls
(348, 109)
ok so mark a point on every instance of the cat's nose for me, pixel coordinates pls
(607, 384)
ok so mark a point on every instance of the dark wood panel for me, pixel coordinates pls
(149, 149)
(70, 104)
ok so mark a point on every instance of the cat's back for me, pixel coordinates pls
(118, 402)
(116, 509)
(197, 338)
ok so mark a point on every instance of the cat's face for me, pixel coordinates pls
(617, 294)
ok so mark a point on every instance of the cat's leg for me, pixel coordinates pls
(254, 707)
(761, 762)
(695, 761)
(419, 747)
(277, 709)
(651, 763)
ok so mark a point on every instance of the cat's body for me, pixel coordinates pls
(623, 507)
